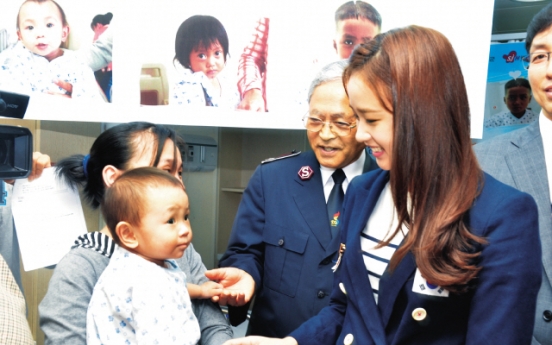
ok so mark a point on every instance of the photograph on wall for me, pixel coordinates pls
(247, 64)
(509, 104)
(61, 49)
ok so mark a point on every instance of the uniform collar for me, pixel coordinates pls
(352, 170)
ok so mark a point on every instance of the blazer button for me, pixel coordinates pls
(326, 261)
(419, 314)
(281, 242)
(321, 294)
(547, 315)
(349, 338)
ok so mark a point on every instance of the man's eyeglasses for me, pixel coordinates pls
(339, 128)
(535, 59)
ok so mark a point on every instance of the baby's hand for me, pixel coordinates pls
(210, 289)
(65, 86)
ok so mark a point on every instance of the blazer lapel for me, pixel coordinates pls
(355, 276)
(391, 283)
(310, 197)
(528, 169)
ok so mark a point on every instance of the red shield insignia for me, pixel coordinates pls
(305, 172)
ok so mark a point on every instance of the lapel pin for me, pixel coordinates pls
(305, 172)
(349, 339)
(419, 314)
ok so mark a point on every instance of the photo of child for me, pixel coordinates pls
(517, 95)
(39, 62)
(142, 296)
(355, 22)
(201, 50)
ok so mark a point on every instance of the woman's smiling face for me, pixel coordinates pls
(375, 121)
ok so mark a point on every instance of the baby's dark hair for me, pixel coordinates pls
(127, 199)
(103, 19)
(116, 146)
(517, 82)
(356, 10)
(62, 13)
(198, 31)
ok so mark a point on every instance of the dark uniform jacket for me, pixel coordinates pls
(281, 236)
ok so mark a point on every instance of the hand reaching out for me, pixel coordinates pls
(209, 289)
(239, 286)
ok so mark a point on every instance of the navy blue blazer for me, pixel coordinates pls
(499, 310)
(281, 236)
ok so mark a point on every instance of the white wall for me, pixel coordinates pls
(145, 32)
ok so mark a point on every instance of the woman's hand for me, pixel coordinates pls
(239, 286)
(261, 341)
(40, 162)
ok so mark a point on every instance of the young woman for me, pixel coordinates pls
(434, 251)
(120, 148)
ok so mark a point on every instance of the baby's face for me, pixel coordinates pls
(41, 28)
(165, 231)
(352, 32)
(208, 60)
(517, 100)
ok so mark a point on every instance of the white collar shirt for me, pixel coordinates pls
(351, 171)
(545, 126)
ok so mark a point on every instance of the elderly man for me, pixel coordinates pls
(523, 159)
(284, 240)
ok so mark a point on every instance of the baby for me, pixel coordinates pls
(37, 62)
(141, 297)
(201, 48)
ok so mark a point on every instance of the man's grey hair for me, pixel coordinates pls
(330, 72)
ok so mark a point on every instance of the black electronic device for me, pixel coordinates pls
(16, 152)
(13, 104)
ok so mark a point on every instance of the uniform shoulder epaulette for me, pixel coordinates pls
(292, 154)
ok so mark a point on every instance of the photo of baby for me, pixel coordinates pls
(201, 50)
(40, 61)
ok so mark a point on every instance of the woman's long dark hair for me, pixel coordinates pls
(116, 146)
(415, 71)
